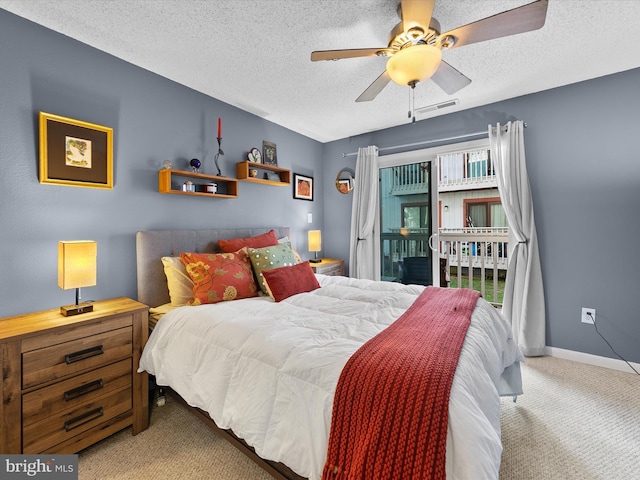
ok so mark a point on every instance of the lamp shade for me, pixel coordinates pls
(77, 263)
(315, 240)
(414, 64)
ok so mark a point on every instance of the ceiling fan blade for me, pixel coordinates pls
(416, 13)
(375, 88)
(338, 54)
(449, 79)
(518, 20)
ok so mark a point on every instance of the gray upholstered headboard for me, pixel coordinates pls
(152, 245)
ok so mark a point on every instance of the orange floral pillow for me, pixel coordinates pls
(219, 277)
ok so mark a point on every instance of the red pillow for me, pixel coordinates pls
(259, 241)
(286, 281)
(220, 276)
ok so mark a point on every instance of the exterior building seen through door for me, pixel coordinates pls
(406, 223)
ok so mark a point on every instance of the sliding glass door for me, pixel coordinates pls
(407, 211)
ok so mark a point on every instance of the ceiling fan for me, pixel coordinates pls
(416, 44)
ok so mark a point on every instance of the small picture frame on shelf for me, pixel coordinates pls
(269, 153)
(255, 156)
(302, 187)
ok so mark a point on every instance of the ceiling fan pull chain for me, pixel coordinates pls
(412, 95)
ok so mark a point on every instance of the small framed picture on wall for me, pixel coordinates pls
(302, 187)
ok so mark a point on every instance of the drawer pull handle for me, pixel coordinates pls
(82, 419)
(83, 390)
(83, 354)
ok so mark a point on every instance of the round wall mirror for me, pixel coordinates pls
(344, 180)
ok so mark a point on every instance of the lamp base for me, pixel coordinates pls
(70, 310)
(315, 260)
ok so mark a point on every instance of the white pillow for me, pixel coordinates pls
(179, 283)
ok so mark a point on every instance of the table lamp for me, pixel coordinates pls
(315, 244)
(76, 269)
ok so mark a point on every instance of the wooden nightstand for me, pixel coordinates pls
(68, 382)
(329, 266)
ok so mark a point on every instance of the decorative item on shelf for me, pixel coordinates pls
(302, 187)
(253, 173)
(166, 165)
(271, 176)
(270, 156)
(315, 244)
(77, 269)
(220, 152)
(188, 186)
(195, 165)
(210, 187)
(254, 155)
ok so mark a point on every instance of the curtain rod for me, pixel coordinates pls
(428, 142)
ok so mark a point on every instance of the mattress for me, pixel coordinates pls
(268, 371)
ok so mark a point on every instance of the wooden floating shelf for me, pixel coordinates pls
(242, 172)
(227, 187)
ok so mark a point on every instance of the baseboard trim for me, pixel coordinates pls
(589, 359)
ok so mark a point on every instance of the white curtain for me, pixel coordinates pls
(364, 252)
(523, 300)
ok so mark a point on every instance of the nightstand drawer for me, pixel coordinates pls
(58, 361)
(71, 394)
(53, 430)
(329, 266)
(334, 269)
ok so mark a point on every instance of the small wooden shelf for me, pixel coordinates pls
(242, 172)
(227, 187)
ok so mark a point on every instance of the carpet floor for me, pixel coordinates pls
(574, 421)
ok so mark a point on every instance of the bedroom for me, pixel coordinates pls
(581, 153)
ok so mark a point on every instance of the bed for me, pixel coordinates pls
(264, 373)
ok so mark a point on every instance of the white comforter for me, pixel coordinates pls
(268, 370)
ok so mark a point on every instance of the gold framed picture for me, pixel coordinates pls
(75, 153)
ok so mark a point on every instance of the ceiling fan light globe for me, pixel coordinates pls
(416, 63)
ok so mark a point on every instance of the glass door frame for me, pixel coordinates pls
(429, 155)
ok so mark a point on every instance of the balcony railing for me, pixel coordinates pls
(482, 253)
(409, 179)
(466, 170)
(399, 244)
(471, 257)
(468, 183)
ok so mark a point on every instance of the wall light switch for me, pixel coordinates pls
(309, 218)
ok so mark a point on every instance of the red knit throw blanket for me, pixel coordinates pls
(391, 407)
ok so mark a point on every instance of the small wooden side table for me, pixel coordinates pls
(329, 266)
(69, 382)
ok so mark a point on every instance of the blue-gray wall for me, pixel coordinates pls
(581, 156)
(153, 119)
(584, 169)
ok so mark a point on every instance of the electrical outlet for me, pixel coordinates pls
(588, 315)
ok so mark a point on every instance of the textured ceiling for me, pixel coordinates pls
(254, 54)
